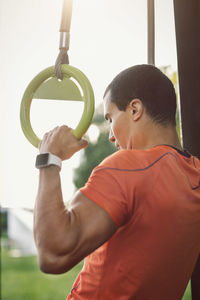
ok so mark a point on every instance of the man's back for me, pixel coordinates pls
(153, 196)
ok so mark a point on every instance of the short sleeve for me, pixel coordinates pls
(105, 187)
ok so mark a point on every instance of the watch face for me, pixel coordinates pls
(42, 160)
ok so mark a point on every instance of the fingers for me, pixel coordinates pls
(47, 136)
(58, 129)
(61, 142)
(39, 145)
(50, 133)
(83, 144)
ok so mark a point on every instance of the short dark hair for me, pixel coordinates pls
(151, 86)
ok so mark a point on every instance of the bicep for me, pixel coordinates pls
(90, 227)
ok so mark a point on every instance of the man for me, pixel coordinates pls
(137, 220)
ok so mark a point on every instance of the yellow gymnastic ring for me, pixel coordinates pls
(88, 98)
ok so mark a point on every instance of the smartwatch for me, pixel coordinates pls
(45, 160)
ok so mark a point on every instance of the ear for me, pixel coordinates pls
(136, 108)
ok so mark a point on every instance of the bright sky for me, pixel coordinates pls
(106, 37)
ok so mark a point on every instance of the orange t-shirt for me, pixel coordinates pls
(153, 196)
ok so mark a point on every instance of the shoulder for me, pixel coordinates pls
(125, 159)
(132, 159)
(118, 159)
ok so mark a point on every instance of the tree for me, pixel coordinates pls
(95, 152)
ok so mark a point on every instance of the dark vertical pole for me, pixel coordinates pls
(151, 32)
(187, 21)
(195, 281)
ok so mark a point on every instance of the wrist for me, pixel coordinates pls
(51, 173)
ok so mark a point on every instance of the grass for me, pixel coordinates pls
(187, 295)
(22, 280)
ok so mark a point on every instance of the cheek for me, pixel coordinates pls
(118, 128)
(116, 132)
(115, 128)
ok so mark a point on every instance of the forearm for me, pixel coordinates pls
(51, 219)
(56, 229)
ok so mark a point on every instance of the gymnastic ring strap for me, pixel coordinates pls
(65, 25)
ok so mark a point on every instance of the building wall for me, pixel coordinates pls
(20, 230)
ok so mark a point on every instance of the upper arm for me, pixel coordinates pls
(90, 226)
(91, 223)
(94, 215)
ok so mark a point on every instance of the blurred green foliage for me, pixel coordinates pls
(93, 155)
(95, 152)
(3, 223)
(21, 279)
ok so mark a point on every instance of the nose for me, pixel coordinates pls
(111, 136)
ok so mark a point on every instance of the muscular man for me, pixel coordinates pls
(137, 220)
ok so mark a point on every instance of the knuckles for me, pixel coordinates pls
(61, 142)
(59, 129)
(64, 128)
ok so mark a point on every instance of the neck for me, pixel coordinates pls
(150, 136)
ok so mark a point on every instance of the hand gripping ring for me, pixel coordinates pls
(88, 98)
